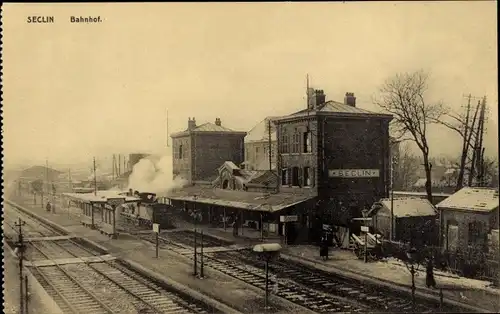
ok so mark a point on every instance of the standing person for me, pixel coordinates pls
(323, 251)
(48, 207)
(236, 225)
(429, 280)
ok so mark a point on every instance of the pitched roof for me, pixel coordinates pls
(337, 108)
(473, 199)
(260, 131)
(207, 127)
(101, 196)
(410, 207)
(40, 172)
(239, 199)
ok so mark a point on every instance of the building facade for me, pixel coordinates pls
(468, 217)
(414, 220)
(338, 150)
(200, 150)
(258, 147)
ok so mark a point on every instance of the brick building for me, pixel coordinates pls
(337, 150)
(200, 150)
(468, 217)
(414, 220)
(258, 147)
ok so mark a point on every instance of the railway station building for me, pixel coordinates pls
(339, 152)
(200, 149)
(332, 161)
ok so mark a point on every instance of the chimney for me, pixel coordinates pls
(191, 124)
(316, 97)
(350, 99)
(217, 121)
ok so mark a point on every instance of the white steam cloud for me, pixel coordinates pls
(154, 175)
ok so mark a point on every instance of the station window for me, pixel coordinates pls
(476, 234)
(284, 176)
(307, 176)
(295, 142)
(284, 144)
(295, 176)
(307, 142)
(180, 152)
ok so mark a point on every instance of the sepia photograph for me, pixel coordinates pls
(240, 157)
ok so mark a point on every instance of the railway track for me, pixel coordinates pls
(32, 227)
(289, 290)
(101, 286)
(317, 290)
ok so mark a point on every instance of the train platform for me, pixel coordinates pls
(11, 292)
(390, 273)
(222, 288)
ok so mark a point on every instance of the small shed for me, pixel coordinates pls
(467, 217)
(414, 219)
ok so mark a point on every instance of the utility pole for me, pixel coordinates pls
(70, 183)
(392, 200)
(195, 255)
(95, 179)
(479, 145)
(120, 165)
(113, 167)
(168, 144)
(47, 177)
(26, 295)
(270, 144)
(20, 254)
(201, 256)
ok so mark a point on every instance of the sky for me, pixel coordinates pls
(73, 91)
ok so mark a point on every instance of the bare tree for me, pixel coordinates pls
(464, 125)
(406, 169)
(403, 95)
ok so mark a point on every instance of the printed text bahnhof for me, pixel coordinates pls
(72, 19)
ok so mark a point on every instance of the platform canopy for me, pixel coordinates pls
(100, 197)
(239, 199)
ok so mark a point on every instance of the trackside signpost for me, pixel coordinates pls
(156, 230)
(284, 220)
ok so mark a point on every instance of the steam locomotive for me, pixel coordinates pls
(146, 211)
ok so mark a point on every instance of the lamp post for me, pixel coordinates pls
(267, 251)
(393, 161)
(195, 271)
(412, 256)
(202, 275)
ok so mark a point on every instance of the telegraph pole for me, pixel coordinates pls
(168, 144)
(113, 164)
(195, 272)
(270, 144)
(392, 199)
(95, 179)
(20, 254)
(201, 256)
(47, 178)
